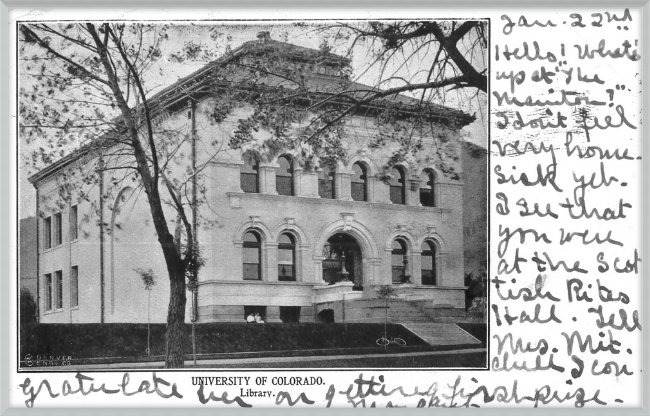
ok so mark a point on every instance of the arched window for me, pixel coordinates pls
(286, 258)
(427, 196)
(252, 256)
(284, 176)
(399, 262)
(248, 177)
(428, 263)
(326, 183)
(359, 183)
(397, 186)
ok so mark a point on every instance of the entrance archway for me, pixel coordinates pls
(342, 260)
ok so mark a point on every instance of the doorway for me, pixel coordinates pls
(343, 260)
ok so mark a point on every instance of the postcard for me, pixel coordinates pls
(326, 208)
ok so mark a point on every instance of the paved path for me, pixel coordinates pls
(252, 362)
(441, 333)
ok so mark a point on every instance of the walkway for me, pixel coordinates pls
(270, 362)
(441, 333)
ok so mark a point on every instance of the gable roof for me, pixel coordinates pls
(216, 71)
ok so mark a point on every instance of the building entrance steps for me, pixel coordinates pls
(441, 333)
(399, 311)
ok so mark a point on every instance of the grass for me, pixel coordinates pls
(83, 341)
(464, 360)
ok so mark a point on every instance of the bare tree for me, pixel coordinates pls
(87, 81)
(419, 70)
(87, 86)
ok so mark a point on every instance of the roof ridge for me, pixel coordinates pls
(227, 57)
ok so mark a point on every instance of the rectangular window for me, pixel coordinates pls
(283, 185)
(58, 230)
(74, 286)
(249, 183)
(286, 273)
(326, 188)
(398, 273)
(290, 314)
(253, 310)
(428, 278)
(251, 271)
(47, 233)
(397, 195)
(251, 263)
(48, 292)
(73, 223)
(286, 270)
(251, 255)
(426, 197)
(326, 185)
(58, 295)
(358, 191)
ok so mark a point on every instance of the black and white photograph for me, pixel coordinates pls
(233, 205)
(252, 194)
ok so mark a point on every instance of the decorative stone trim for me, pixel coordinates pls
(257, 282)
(235, 201)
(227, 162)
(345, 203)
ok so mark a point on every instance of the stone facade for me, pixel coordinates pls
(104, 241)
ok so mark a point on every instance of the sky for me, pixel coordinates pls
(216, 38)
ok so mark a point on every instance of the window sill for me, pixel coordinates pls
(237, 197)
(47, 250)
(258, 282)
(52, 312)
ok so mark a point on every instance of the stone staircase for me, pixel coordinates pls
(428, 321)
(441, 333)
(399, 311)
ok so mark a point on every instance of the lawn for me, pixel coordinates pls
(82, 341)
(463, 360)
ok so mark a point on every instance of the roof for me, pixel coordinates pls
(318, 84)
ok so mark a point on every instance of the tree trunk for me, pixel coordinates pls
(174, 335)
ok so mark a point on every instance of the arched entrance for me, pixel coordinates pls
(343, 260)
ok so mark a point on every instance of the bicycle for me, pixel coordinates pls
(384, 342)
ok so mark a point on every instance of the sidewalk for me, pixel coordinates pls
(337, 361)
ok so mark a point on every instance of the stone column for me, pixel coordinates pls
(297, 178)
(238, 269)
(302, 251)
(271, 265)
(267, 179)
(273, 314)
(372, 276)
(441, 266)
(318, 269)
(413, 192)
(381, 192)
(415, 260)
(308, 183)
(386, 277)
(438, 200)
(343, 188)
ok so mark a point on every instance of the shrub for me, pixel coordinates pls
(27, 307)
(476, 283)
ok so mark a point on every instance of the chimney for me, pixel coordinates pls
(263, 36)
